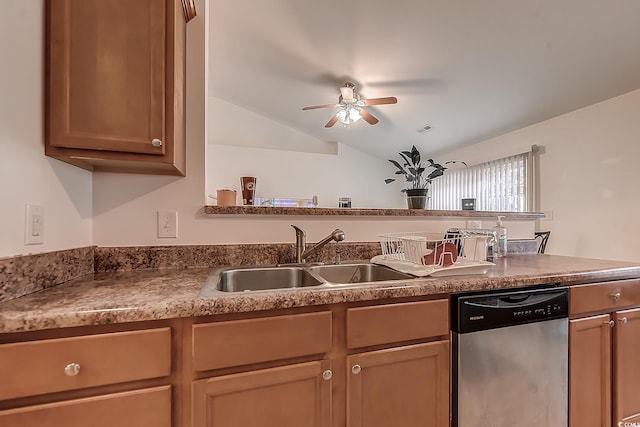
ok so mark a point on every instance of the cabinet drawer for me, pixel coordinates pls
(241, 342)
(140, 408)
(604, 296)
(390, 323)
(38, 367)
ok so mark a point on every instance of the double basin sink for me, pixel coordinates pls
(246, 279)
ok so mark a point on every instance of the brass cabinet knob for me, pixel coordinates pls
(327, 374)
(623, 320)
(356, 369)
(156, 142)
(72, 369)
(616, 296)
(611, 323)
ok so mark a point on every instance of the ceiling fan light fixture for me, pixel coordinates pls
(348, 115)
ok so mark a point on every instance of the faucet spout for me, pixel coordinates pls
(301, 243)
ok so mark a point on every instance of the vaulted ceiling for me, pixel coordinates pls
(469, 69)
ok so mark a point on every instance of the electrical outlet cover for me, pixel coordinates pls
(34, 225)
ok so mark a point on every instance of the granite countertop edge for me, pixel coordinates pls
(123, 297)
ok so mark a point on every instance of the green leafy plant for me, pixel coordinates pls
(416, 174)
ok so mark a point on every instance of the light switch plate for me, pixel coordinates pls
(167, 224)
(34, 225)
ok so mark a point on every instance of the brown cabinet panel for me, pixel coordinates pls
(389, 323)
(115, 77)
(590, 372)
(626, 366)
(604, 296)
(241, 342)
(107, 74)
(38, 367)
(140, 408)
(402, 386)
(288, 396)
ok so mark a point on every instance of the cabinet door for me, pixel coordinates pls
(626, 366)
(590, 372)
(287, 396)
(402, 386)
(107, 74)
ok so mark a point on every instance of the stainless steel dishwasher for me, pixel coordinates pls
(510, 358)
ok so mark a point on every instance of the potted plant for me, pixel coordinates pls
(416, 175)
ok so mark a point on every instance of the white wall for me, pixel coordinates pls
(589, 175)
(125, 205)
(26, 175)
(289, 163)
(283, 173)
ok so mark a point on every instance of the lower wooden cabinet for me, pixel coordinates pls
(400, 386)
(296, 395)
(626, 366)
(590, 372)
(604, 371)
(139, 408)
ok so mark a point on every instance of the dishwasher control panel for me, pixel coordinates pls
(482, 311)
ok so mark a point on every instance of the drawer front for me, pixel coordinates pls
(382, 324)
(242, 342)
(607, 296)
(38, 367)
(140, 408)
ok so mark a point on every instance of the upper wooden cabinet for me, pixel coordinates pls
(115, 85)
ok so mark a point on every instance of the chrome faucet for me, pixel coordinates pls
(301, 243)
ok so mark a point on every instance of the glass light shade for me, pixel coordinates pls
(348, 115)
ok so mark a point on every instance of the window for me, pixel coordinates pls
(503, 185)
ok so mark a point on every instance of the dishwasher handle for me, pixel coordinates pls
(513, 300)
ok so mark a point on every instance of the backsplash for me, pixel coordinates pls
(177, 257)
(25, 274)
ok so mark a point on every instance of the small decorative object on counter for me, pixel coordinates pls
(225, 197)
(344, 202)
(500, 248)
(248, 189)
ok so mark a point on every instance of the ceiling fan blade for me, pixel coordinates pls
(315, 107)
(331, 122)
(368, 117)
(379, 101)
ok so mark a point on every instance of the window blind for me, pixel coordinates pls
(503, 185)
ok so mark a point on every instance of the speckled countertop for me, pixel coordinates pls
(119, 297)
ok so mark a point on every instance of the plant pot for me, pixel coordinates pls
(417, 199)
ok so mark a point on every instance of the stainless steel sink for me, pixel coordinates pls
(251, 279)
(357, 273)
(260, 279)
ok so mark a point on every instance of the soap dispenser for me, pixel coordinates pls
(500, 248)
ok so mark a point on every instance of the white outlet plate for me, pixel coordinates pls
(34, 225)
(167, 224)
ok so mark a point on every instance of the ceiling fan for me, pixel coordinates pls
(352, 107)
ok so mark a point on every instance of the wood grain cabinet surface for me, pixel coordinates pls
(604, 374)
(115, 84)
(46, 366)
(139, 408)
(297, 395)
(401, 386)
